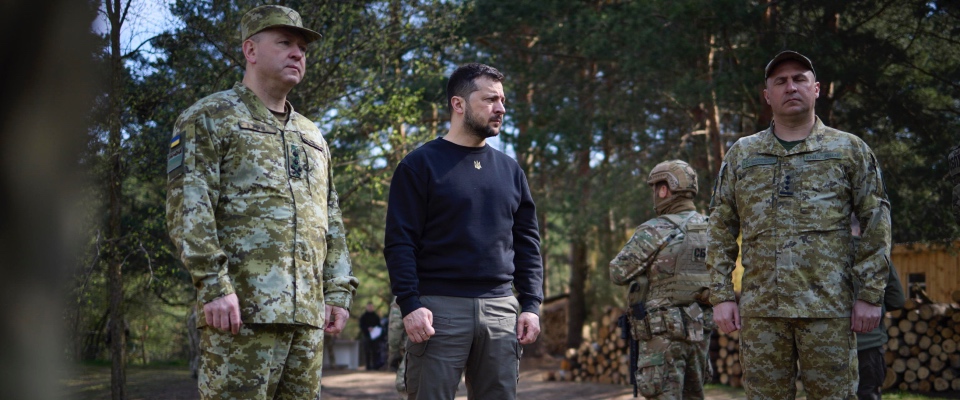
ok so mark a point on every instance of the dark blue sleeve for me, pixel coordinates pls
(528, 275)
(406, 214)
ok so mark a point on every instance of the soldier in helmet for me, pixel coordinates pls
(253, 214)
(664, 265)
(787, 193)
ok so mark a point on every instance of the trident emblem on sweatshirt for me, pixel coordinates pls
(476, 164)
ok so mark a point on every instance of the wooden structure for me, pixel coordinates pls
(933, 267)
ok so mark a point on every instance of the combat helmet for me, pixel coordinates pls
(679, 176)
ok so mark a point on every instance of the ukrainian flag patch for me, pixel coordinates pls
(175, 141)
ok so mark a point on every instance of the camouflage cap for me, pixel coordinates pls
(679, 176)
(265, 17)
(788, 55)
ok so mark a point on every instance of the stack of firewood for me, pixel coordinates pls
(603, 355)
(725, 355)
(922, 354)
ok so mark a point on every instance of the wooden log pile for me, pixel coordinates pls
(603, 355)
(725, 356)
(922, 353)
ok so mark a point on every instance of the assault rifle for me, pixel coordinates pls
(638, 312)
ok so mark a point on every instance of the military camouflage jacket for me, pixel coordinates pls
(252, 210)
(793, 212)
(640, 257)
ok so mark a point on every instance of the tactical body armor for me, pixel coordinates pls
(676, 279)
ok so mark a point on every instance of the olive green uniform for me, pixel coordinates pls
(252, 210)
(792, 210)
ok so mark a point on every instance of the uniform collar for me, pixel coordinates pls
(257, 109)
(813, 142)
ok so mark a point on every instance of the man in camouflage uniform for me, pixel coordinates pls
(253, 213)
(788, 191)
(953, 163)
(664, 265)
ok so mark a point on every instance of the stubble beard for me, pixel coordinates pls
(477, 128)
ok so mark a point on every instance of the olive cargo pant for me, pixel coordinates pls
(474, 337)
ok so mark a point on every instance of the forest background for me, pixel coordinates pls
(598, 93)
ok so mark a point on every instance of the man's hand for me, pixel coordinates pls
(727, 316)
(528, 327)
(336, 319)
(224, 313)
(419, 325)
(865, 317)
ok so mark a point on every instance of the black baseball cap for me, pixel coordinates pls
(785, 56)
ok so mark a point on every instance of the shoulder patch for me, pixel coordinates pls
(822, 156)
(754, 161)
(175, 141)
(175, 160)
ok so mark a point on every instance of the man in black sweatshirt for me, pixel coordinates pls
(461, 235)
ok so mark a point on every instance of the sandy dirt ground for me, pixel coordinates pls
(175, 383)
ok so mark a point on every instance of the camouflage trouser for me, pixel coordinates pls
(825, 347)
(263, 361)
(673, 369)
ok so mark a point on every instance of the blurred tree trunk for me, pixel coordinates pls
(116, 12)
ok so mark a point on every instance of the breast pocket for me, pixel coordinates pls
(253, 169)
(756, 184)
(824, 195)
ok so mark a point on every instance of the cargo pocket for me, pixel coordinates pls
(413, 365)
(650, 374)
(639, 329)
(673, 324)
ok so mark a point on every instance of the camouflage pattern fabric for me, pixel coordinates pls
(396, 334)
(272, 16)
(252, 210)
(672, 370)
(793, 212)
(250, 365)
(769, 349)
(677, 274)
(397, 337)
(672, 361)
(953, 163)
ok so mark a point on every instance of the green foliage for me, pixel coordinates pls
(372, 85)
(598, 93)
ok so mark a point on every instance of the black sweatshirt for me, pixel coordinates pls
(461, 222)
